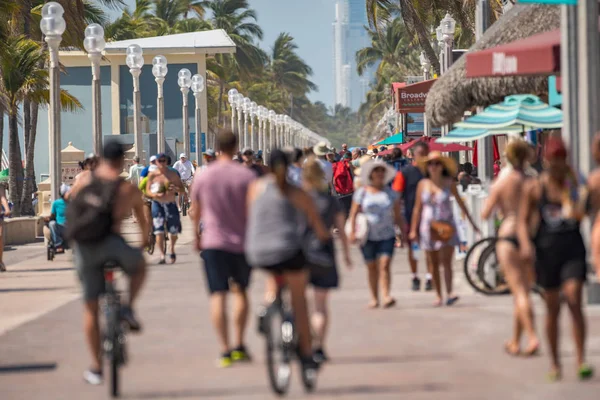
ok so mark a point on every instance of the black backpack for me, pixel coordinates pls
(90, 212)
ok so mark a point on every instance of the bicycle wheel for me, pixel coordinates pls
(114, 367)
(151, 243)
(481, 266)
(278, 357)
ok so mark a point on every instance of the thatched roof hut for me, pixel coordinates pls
(454, 93)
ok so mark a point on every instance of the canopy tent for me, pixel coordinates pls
(395, 139)
(518, 113)
(538, 54)
(453, 93)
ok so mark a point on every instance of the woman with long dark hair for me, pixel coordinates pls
(274, 242)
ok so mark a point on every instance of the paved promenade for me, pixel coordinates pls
(413, 351)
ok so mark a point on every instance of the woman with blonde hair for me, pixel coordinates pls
(433, 219)
(321, 256)
(518, 273)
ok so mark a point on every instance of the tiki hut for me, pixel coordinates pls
(454, 93)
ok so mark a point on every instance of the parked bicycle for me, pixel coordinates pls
(276, 323)
(113, 337)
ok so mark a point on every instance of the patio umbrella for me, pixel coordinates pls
(4, 175)
(436, 145)
(396, 139)
(517, 113)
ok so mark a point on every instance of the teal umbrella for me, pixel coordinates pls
(4, 175)
(396, 139)
(516, 114)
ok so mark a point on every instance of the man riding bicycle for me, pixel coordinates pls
(99, 202)
(186, 172)
(163, 184)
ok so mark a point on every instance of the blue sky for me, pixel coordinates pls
(310, 23)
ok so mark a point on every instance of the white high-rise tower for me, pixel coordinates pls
(349, 37)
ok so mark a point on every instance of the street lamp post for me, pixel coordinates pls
(253, 108)
(246, 109)
(286, 131)
(135, 62)
(440, 39)
(197, 89)
(261, 128)
(272, 120)
(184, 80)
(239, 100)
(426, 66)
(231, 97)
(448, 25)
(160, 70)
(53, 26)
(94, 44)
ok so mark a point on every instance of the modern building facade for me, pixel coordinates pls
(350, 36)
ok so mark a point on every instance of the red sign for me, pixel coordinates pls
(411, 98)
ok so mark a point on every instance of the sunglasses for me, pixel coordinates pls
(162, 161)
(248, 153)
(435, 163)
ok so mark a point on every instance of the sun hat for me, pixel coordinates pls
(448, 163)
(209, 153)
(182, 155)
(321, 149)
(367, 169)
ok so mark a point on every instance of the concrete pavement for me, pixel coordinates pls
(413, 351)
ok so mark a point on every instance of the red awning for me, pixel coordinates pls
(411, 98)
(535, 55)
(434, 146)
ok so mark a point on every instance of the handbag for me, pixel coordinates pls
(361, 231)
(442, 231)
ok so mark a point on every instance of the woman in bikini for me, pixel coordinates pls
(518, 274)
(433, 219)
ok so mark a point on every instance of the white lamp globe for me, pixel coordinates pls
(184, 78)
(272, 115)
(448, 25)
(94, 39)
(231, 95)
(160, 60)
(159, 71)
(197, 83)
(134, 61)
(134, 50)
(53, 23)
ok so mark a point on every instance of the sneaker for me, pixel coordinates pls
(319, 356)
(240, 354)
(2, 267)
(128, 316)
(224, 361)
(416, 284)
(428, 285)
(310, 369)
(93, 377)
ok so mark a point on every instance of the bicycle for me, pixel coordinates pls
(276, 323)
(114, 339)
(152, 240)
(183, 200)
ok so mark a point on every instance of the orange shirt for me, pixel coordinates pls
(399, 183)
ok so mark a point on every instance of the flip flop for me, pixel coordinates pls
(391, 302)
(553, 376)
(585, 372)
(173, 258)
(452, 300)
(162, 261)
(510, 350)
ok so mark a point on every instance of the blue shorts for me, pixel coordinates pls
(168, 212)
(372, 250)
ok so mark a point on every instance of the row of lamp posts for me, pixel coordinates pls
(282, 130)
(53, 26)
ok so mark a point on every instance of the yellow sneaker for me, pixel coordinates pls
(240, 355)
(225, 361)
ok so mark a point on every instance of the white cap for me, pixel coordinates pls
(182, 155)
(64, 188)
(152, 158)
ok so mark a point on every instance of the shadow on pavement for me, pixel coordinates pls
(15, 271)
(393, 359)
(200, 393)
(382, 389)
(23, 368)
(42, 289)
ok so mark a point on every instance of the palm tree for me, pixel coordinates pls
(390, 48)
(132, 24)
(21, 79)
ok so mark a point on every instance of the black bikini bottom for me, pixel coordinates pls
(511, 239)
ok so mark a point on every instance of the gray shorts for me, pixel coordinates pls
(90, 259)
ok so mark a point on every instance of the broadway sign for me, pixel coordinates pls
(411, 98)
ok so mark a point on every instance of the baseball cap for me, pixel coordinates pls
(152, 158)
(64, 188)
(209, 153)
(182, 155)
